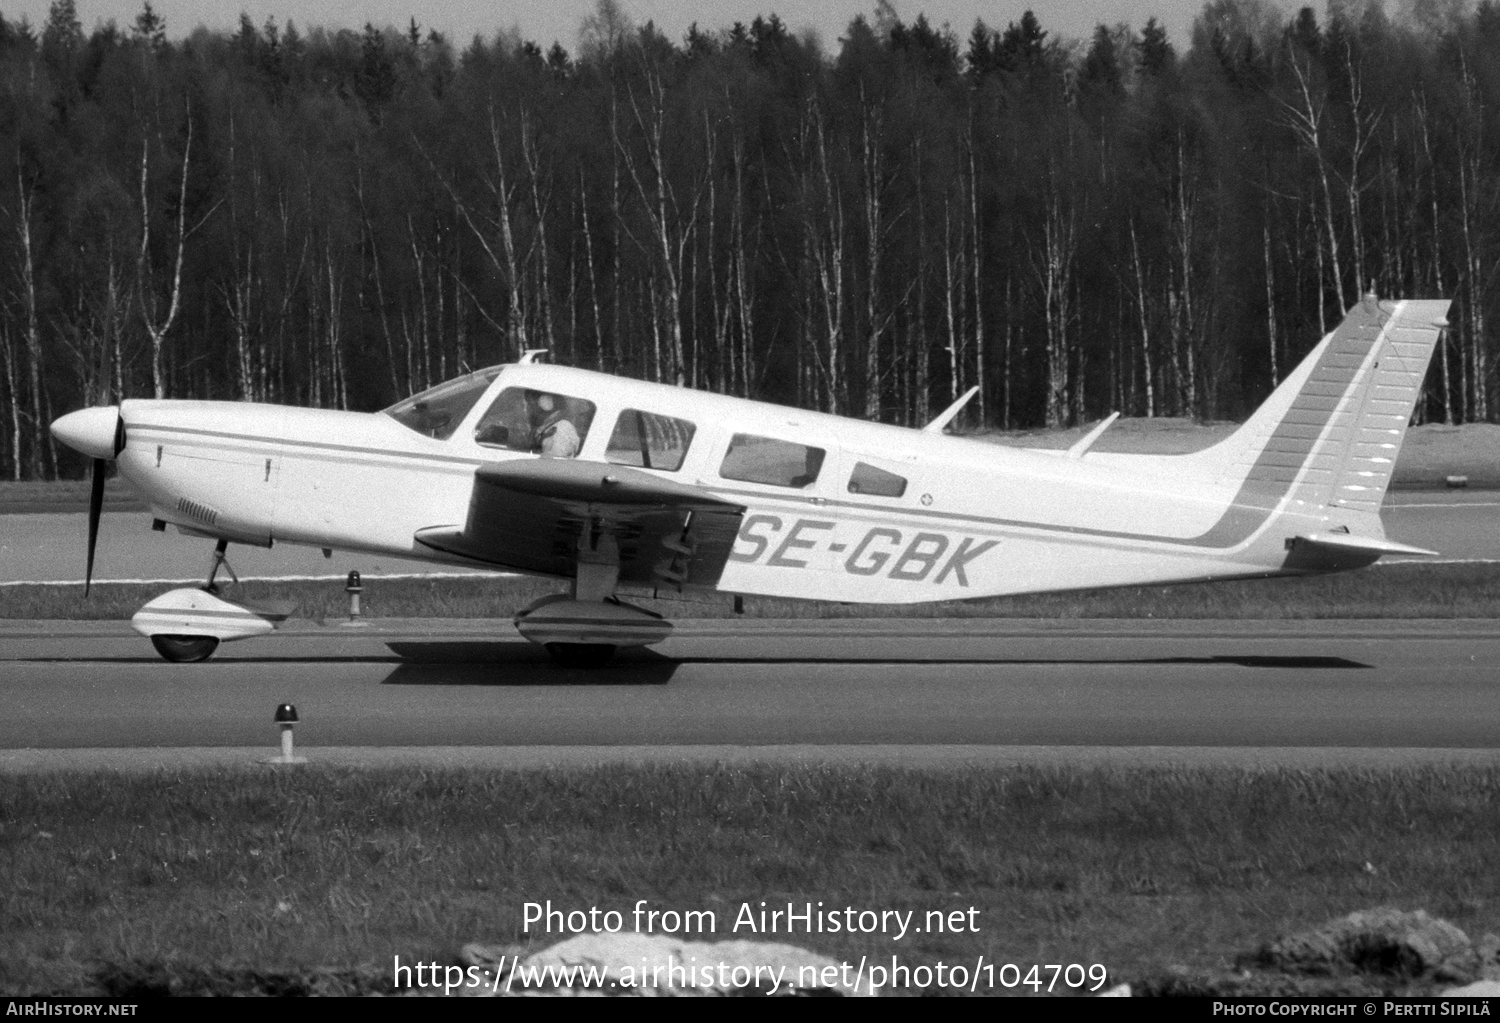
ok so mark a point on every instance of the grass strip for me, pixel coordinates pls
(233, 873)
(1392, 591)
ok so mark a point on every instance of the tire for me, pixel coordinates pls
(581, 655)
(185, 649)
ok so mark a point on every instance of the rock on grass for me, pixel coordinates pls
(1386, 941)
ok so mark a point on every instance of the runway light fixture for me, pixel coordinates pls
(286, 717)
(354, 588)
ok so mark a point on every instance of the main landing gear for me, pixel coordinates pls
(582, 629)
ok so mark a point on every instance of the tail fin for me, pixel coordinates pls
(1329, 435)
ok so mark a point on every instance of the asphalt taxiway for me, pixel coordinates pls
(466, 692)
(927, 688)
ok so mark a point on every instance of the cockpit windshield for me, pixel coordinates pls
(437, 411)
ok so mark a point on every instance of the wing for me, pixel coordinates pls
(540, 515)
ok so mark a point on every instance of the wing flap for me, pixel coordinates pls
(569, 480)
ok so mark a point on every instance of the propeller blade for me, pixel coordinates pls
(96, 507)
(119, 435)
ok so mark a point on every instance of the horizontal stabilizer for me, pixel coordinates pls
(1349, 543)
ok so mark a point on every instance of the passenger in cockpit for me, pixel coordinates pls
(554, 434)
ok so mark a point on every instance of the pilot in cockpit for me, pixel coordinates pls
(553, 433)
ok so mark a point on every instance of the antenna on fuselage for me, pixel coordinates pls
(1081, 448)
(532, 355)
(948, 414)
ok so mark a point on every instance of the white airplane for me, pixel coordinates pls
(624, 486)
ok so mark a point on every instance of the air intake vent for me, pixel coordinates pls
(202, 512)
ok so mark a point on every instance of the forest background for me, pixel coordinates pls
(342, 218)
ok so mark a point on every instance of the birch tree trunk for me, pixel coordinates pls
(1270, 295)
(1148, 371)
(744, 280)
(540, 203)
(1054, 272)
(155, 323)
(1471, 191)
(671, 226)
(1307, 123)
(976, 265)
(26, 195)
(588, 250)
(824, 235)
(8, 363)
(872, 168)
(1363, 131)
(1437, 256)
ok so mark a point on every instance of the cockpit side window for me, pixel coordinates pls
(437, 411)
(542, 422)
(649, 440)
(779, 463)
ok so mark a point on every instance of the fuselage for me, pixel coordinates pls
(891, 515)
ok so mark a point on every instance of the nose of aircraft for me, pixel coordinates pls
(89, 430)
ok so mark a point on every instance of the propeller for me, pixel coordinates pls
(96, 508)
(100, 433)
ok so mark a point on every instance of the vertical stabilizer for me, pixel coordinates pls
(1329, 435)
(1377, 420)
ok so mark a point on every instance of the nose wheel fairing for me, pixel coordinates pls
(192, 613)
(188, 624)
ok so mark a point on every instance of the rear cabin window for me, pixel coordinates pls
(649, 440)
(542, 422)
(868, 479)
(777, 463)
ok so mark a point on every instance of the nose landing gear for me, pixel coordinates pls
(219, 562)
(188, 624)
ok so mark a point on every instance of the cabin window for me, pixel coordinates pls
(542, 422)
(778, 463)
(438, 410)
(868, 479)
(649, 441)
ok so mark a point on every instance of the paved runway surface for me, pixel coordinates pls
(1227, 685)
(927, 692)
(1460, 525)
